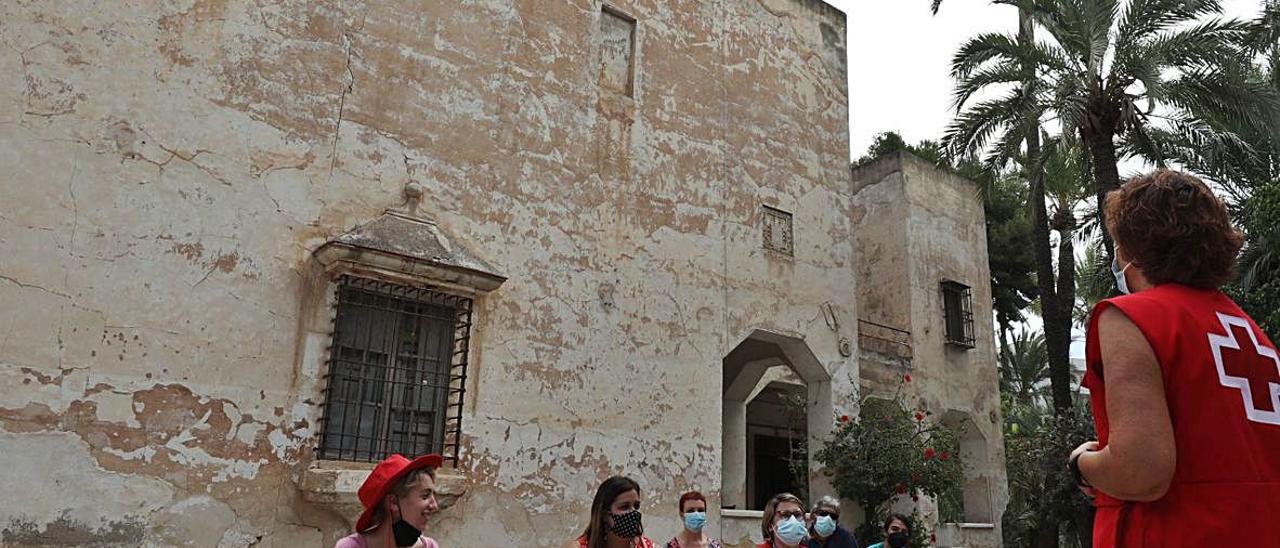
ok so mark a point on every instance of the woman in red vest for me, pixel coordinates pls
(1185, 387)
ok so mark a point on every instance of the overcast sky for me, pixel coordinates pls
(899, 61)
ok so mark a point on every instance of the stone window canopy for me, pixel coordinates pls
(407, 247)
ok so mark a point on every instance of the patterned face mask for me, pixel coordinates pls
(627, 525)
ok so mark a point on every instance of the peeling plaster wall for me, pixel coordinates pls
(944, 237)
(167, 168)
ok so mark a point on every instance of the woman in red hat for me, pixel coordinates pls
(398, 498)
(615, 517)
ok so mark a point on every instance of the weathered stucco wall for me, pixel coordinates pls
(880, 215)
(944, 239)
(167, 169)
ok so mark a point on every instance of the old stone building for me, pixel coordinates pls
(249, 246)
(924, 309)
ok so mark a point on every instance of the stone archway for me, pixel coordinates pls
(771, 365)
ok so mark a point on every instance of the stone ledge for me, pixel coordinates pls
(334, 484)
(753, 514)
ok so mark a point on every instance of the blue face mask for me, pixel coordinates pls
(1121, 283)
(791, 531)
(695, 521)
(824, 526)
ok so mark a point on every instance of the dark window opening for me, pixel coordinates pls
(397, 372)
(957, 300)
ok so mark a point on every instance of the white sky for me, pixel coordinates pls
(900, 56)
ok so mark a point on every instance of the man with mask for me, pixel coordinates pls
(897, 531)
(825, 530)
(398, 498)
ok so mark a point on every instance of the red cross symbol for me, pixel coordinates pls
(1254, 370)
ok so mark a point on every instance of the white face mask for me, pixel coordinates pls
(1121, 282)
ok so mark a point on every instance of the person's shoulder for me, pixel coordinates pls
(353, 540)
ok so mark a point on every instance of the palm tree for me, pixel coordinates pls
(1109, 73)
(1094, 281)
(1024, 70)
(1024, 366)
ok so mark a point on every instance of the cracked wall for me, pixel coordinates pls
(167, 168)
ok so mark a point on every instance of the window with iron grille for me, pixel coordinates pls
(397, 372)
(957, 301)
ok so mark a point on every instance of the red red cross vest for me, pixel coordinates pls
(1222, 382)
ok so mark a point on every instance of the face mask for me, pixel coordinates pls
(897, 540)
(406, 534)
(1121, 283)
(824, 526)
(791, 531)
(627, 525)
(695, 521)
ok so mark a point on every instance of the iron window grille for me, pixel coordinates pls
(957, 300)
(397, 372)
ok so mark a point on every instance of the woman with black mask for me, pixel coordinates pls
(897, 531)
(615, 517)
(398, 498)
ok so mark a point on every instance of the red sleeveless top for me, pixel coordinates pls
(1222, 383)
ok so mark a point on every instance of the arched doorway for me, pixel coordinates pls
(777, 403)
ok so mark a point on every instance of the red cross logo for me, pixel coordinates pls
(1254, 371)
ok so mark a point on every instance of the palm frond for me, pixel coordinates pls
(974, 128)
(1002, 72)
(1260, 260)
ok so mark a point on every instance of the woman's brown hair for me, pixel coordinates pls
(598, 528)
(766, 521)
(1172, 227)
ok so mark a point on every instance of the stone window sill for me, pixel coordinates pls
(334, 484)
(749, 514)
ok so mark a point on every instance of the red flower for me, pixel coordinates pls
(928, 453)
(945, 455)
(933, 539)
(844, 418)
(919, 416)
(915, 498)
(900, 489)
(907, 378)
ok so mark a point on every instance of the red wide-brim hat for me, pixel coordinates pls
(383, 478)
